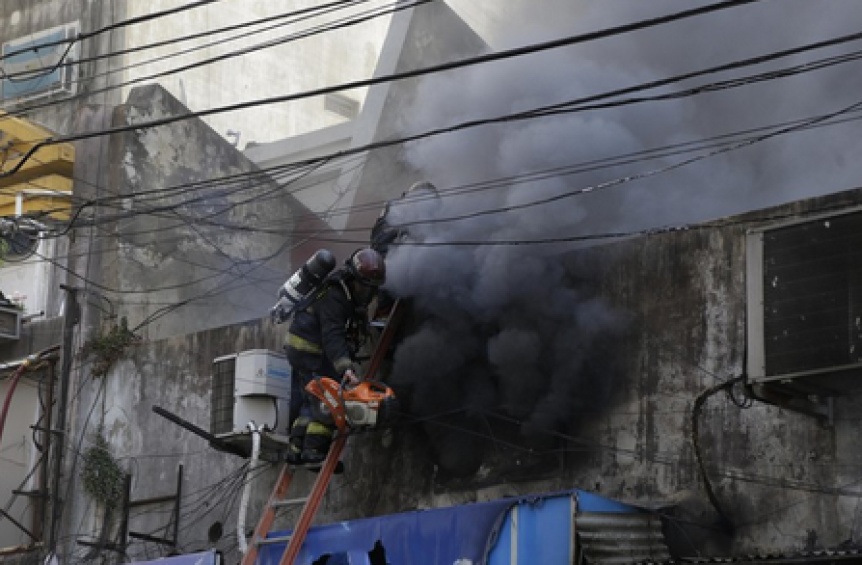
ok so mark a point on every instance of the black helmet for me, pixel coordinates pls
(367, 266)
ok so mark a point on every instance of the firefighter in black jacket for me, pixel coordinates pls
(384, 234)
(322, 340)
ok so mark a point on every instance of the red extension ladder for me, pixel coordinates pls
(312, 502)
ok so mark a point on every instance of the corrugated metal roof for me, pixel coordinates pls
(620, 538)
(842, 556)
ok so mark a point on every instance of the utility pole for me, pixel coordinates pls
(71, 317)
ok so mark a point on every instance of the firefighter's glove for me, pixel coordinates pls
(349, 379)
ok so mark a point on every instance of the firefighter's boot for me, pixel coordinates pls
(297, 439)
(318, 437)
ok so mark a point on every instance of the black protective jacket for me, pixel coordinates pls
(325, 336)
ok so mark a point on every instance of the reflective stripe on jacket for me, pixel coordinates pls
(319, 332)
(301, 344)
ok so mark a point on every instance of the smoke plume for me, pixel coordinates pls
(510, 328)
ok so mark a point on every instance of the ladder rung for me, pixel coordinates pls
(270, 541)
(289, 502)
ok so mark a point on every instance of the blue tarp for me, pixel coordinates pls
(537, 532)
(512, 531)
(440, 535)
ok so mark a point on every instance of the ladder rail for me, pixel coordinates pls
(268, 517)
(297, 537)
(386, 337)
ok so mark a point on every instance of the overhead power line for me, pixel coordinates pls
(401, 5)
(517, 52)
(303, 34)
(113, 26)
(173, 41)
(807, 124)
(571, 106)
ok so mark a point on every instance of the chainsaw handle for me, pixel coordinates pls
(375, 386)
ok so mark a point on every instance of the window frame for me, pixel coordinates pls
(756, 368)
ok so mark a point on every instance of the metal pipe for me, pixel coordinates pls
(71, 316)
(243, 505)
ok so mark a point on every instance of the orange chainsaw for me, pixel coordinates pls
(367, 405)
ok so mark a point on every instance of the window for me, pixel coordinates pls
(40, 65)
(805, 298)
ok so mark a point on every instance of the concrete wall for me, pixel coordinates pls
(19, 18)
(429, 35)
(278, 57)
(205, 241)
(782, 480)
(348, 194)
(778, 476)
(39, 279)
(173, 374)
(268, 66)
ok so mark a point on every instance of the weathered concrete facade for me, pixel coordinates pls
(781, 479)
(204, 193)
(193, 189)
(428, 36)
(288, 50)
(220, 67)
(21, 18)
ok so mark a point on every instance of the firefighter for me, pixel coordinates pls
(384, 234)
(322, 340)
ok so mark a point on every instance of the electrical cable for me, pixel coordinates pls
(736, 82)
(517, 52)
(804, 125)
(175, 40)
(612, 183)
(749, 61)
(558, 171)
(724, 520)
(300, 35)
(114, 26)
(339, 24)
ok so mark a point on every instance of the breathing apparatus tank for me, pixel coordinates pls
(302, 284)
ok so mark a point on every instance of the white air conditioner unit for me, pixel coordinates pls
(40, 65)
(250, 386)
(10, 323)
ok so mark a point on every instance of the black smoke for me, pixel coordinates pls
(514, 328)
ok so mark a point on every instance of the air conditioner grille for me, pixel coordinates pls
(812, 295)
(223, 385)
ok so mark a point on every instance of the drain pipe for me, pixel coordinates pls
(246, 489)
